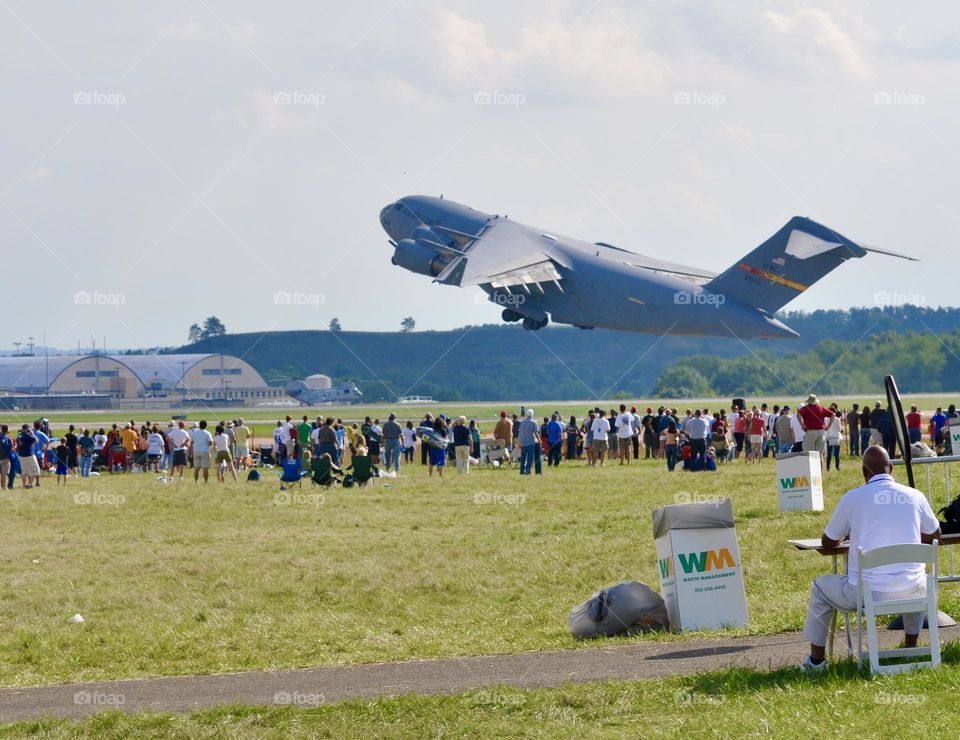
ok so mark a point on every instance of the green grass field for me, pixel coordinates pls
(179, 579)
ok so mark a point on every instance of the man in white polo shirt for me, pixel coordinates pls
(880, 513)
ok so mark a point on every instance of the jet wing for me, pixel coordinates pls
(503, 256)
(652, 263)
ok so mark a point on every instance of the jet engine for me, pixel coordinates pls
(418, 257)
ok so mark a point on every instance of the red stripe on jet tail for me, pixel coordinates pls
(772, 277)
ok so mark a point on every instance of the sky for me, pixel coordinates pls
(163, 162)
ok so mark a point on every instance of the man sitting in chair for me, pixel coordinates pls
(880, 513)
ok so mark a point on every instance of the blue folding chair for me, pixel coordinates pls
(291, 473)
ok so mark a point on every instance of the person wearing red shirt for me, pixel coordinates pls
(914, 425)
(814, 419)
(757, 428)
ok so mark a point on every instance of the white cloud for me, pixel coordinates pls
(811, 40)
(597, 57)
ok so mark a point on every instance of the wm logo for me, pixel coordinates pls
(666, 568)
(705, 561)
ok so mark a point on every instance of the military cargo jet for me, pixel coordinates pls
(537, 275)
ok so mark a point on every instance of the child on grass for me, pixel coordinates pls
(63, 459)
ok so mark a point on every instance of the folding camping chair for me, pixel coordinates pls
(291, 473)
(497, 453)
(322, 472)
(266, 455)
(869, 607)
(362, 469)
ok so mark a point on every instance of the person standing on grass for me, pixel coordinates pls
(73, 459)
(201, 443)
(29, 468)
(40, 446)
(461, 445)
(409, 442)
(834, 436)
(601, 427)
(155, 447)
(503, 431)
(758, 428)
(392, 432)
(555, 432)
(573, 436)
(853, 429)
(62, 453)
(7, 453)
(588, 437)
(939, 420)
(528, 440)
(438, 454)
(914, 425)
(882, 512)
(783, 428)
(696, 430)
(670, 446)
(244, 438)
(474, 439)
(624, 433)
(179, 441)
(221, 443)
(814, 419)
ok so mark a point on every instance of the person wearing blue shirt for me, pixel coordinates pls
(40, 446)
(528, 439)
(939, 419)
(555, 438)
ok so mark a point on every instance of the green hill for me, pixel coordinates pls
(838, 352)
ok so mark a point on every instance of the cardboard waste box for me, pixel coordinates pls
(953, 429)
(701, 577)
(799, 481)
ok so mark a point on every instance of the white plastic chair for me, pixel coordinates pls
(868, 607)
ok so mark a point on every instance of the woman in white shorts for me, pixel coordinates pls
(221, 446)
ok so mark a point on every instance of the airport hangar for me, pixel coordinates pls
(112, 381)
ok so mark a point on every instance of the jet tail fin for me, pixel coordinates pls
(786, 264)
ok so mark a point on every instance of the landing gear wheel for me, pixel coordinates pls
(510, 315)
(533, 325)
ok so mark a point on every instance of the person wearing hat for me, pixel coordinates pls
(392, 432)
(529, 440)
(503, 431)
(814, 420)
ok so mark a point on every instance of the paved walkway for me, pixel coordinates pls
(313, 686)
